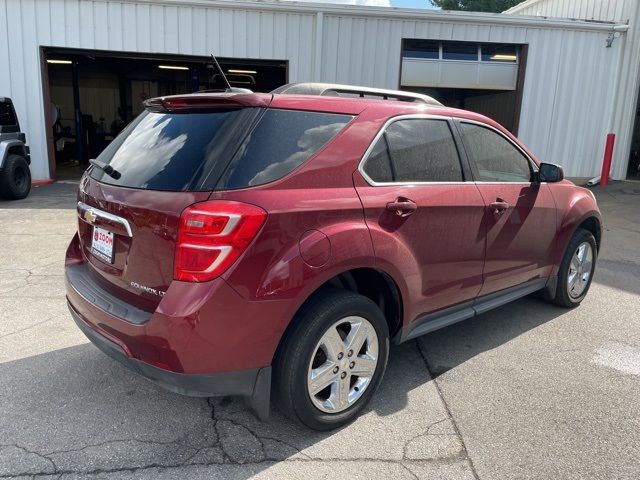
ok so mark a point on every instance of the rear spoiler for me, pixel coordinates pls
(207, 101)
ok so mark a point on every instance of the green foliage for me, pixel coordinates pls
(475, 5)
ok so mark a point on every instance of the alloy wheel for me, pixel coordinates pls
(580, 270)
(343, 364)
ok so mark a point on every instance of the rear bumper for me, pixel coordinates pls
(253, 383)
(196, 328)
(195, 385)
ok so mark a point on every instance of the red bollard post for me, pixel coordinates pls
(606, 161)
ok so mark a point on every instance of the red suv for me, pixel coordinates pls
(239, 243)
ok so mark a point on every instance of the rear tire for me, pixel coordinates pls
(576, 269)
(340, 339)
(15, 178)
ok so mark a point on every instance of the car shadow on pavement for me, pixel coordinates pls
(444, 349)
(75, 410)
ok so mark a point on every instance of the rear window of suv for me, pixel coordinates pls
(218, 150)
(7, 117)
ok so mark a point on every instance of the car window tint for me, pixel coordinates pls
(496, 158)
(7, 118)
(172, 151)
(378, 165)
(282, 141)
(215, 150)
(423, 150)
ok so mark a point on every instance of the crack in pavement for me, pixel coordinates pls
(26, 328)
(30, 273)
(265, 463)
(260, 438)
(110, 442)
(428, 433)
(47, 461)
(446, 407)
(231, 437)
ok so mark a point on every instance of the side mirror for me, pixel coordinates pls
(550, 173)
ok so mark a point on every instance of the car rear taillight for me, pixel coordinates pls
(211, 237)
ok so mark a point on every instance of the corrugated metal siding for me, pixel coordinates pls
(628, 92)
(566, 90)
(620, 115)
(25, 25)
(604, 10)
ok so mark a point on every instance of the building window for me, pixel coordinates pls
(499, 53)
(421, 49)
(460, 51)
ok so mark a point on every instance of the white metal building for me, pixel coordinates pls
(561, 84)
(624, 116)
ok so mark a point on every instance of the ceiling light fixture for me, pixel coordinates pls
(504, 57)
(172, 67)
(247, 72)
(59, 62)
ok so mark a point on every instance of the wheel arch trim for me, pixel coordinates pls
(6, 148)
(323, 281)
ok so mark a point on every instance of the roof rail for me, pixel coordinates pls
(337, 90)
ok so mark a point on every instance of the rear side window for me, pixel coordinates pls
(378, 166)
(282, 141)
(215, 150)
(494, 157)
(7, 117)
(415, 150)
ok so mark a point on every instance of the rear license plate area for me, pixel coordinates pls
(102, 244)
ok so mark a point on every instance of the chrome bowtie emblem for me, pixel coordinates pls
(89, 216)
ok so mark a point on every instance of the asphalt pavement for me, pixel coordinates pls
(525, 391)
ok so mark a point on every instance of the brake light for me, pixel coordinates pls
(207, 101)
(211, 237)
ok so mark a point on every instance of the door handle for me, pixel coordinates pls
(498, 207)
(403, 207)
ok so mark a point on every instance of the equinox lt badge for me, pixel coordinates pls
(144, 288)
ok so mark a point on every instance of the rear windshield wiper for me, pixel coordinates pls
(108, 169)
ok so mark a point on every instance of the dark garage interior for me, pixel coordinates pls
(500, 105)
(633, 169)
(93, 95)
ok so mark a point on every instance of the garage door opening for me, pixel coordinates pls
(486, 78)
(495, 104)
(92, 95)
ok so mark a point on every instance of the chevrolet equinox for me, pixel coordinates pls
(275, 244)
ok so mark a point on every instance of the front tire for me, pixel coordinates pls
(15, 178)
(332, 359)
(576, 270)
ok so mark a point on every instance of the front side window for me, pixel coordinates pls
(415, 150)
(496, 159)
